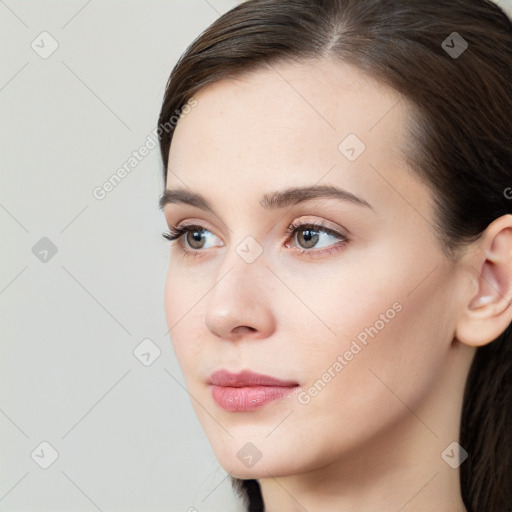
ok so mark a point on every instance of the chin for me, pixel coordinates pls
(259, 470)
(250, 461)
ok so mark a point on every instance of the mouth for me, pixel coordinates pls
(247, 391)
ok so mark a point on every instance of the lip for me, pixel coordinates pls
(246, 378)
(246, 391)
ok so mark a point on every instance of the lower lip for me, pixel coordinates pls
(248, 398)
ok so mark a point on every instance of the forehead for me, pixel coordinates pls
(289, 123)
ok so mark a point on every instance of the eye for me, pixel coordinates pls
(308, 236)
(194, 235)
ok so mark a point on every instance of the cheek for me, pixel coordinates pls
(183, 292)
(181, 312)
(388, 351)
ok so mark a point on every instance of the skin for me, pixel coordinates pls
(372, 438)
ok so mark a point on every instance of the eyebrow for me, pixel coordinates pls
(271, 201)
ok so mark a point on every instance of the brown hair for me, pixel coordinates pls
(460, 141)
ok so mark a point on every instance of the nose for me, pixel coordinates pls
(239, 304)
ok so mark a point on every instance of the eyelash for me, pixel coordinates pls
(176, 232)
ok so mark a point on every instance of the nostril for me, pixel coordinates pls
(243, 328)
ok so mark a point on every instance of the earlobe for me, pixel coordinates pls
(488, 312)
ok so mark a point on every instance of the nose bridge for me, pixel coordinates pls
(241, 274)
(244, 258)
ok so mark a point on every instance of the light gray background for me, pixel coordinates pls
(126, 435)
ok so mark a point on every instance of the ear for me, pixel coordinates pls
(488, 312)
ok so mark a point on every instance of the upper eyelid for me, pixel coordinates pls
(291, 225)
(319, 226)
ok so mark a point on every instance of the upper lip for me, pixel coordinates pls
(246, 378)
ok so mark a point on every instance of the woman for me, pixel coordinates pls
(338, 193)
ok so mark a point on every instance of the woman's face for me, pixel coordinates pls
(360, 321)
